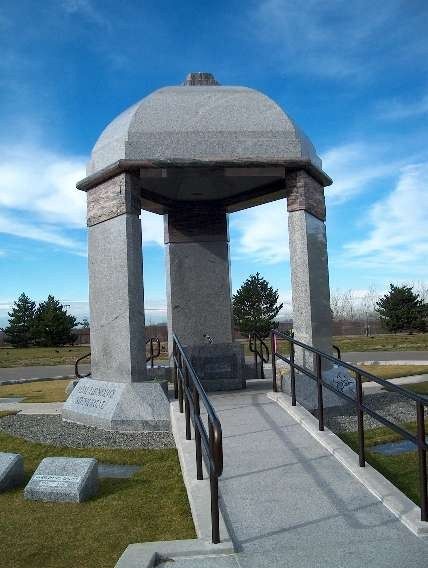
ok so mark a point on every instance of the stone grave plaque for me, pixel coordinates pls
(63, 479)
(11, 471)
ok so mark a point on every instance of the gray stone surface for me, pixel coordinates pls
(311, 299)
(118, 406)
(219, 366)
(116, 300)
(290, 503)
(198, 278)
(203, 122)
(11, 471)
(70, 386)
(112, 198)
(63, 479)
(52, 430)
(11, 399)
(305, 193)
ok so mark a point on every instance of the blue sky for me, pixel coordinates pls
(352, 74)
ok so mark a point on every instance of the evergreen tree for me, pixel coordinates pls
(52, 324)
(255, 306)
(21, 318)
(401, 309)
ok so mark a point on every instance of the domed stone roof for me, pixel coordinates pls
(202, 121)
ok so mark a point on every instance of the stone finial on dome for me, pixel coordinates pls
(200, 79)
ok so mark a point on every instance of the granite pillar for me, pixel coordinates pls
(312, 317)
(199, 292)
(116, 396)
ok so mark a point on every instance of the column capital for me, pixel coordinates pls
(305, 193)
(112, 198)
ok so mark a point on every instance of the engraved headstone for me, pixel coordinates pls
(11, 471)
(118, 406)
(63, 479)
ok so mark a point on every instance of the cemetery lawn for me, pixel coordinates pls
(150, 506)
(395, 371)
(39, 391)
(401, 470)
(29, 356)
(383, 342)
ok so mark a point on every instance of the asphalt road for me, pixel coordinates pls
(53, 371)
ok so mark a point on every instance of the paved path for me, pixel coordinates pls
(33, 407)
(39, 371)
(291, 504)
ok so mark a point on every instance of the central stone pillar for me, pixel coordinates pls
(117, 396)
(199, 293)
(312, 317)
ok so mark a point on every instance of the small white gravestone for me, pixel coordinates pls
(63, 479)
(11, 471)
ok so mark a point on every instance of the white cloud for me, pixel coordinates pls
(397, 226)
(353, 167)
(262, 232)
(42, 182)
(152, 227)
(396, 109)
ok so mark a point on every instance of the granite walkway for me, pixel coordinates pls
(290, 503)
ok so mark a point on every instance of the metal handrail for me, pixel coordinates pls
(261, 352)
(151, 357)
(153, 341)
(419, 440)
(76, 367)
(209, 445)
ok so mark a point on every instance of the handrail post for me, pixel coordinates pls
(360, 422)
(255, 355)
(320, 397)
(422, 458)
(198, 443)
(187, 404)
(292, 375)
(273, 350)
(215, 516)
(174, 358)
(180, 384)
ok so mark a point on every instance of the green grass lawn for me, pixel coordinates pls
(420, 388)
(401, 470)
(150, 506)
(39, 391)
(395, 371)
(20, 357)
(383, 342)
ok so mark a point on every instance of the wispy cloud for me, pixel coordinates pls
(262, 232)
(336, 39)
(87, 10)
(354, 167)
(152, 228)
(397, 109)
(396, 235)
(39, 200)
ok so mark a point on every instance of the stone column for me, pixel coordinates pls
(312, 318)
(117, 396)
(199, 292)
(116, 295)
(198, 275)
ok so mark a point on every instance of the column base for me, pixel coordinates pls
(220, 366)
(307, 392)
(123, 407)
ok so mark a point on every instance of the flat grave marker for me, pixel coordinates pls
(11, 471)
(64, 479)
